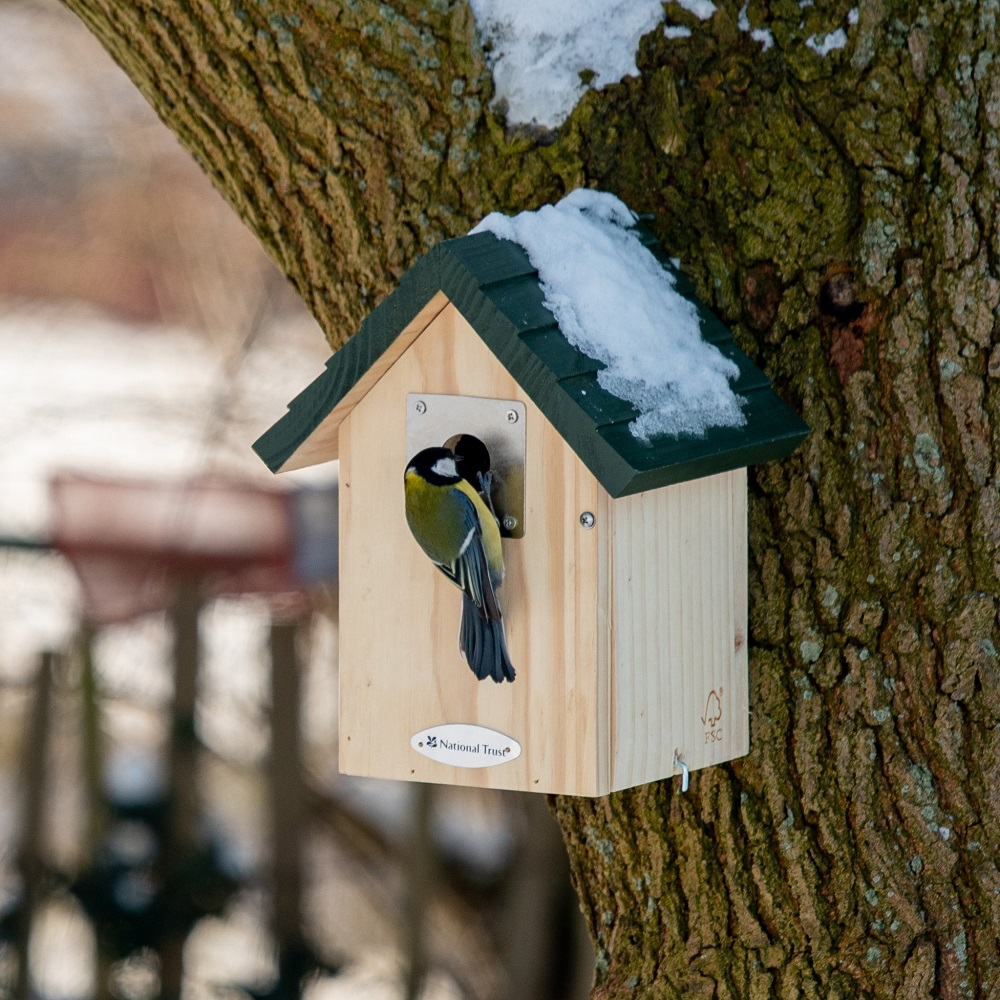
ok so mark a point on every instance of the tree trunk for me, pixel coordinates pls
(838, 212)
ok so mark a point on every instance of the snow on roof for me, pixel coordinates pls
(538, 50)
(614, 301)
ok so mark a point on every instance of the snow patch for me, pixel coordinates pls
(825, 44)
(614, 301)
(702, 9)
(762, 35)
(538, 50)
(676, 31)
(820, 44)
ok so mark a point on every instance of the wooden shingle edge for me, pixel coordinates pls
(307, 433)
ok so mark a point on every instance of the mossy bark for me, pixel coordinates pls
(839, 212)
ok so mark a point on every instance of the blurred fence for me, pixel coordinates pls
(154, 879)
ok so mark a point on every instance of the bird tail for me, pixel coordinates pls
(483, 644)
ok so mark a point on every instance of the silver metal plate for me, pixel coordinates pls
(433, 419)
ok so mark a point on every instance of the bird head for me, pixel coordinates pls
(437, 465)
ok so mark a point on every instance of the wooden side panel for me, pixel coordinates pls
(400, 668)
(680, 627)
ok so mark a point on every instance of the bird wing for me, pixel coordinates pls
(470, 570)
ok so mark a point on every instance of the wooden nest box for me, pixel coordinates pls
(625, 598)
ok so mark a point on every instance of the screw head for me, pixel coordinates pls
(587, 519)
(512, 416)
(509, 522)
(421, 406)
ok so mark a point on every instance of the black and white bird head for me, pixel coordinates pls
(438, 466)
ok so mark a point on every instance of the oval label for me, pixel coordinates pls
(463, 745)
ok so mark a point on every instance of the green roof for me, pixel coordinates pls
(494, 286)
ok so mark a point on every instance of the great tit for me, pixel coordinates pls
(455, 528)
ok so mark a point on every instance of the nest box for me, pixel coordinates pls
(625, 599)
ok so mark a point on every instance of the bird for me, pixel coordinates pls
(460, 535)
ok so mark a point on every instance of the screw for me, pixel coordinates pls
(421, 406)
(512, 416)
(587, 519)
(509, 522)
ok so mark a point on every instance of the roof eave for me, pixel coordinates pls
(307, 434)
(485, 279)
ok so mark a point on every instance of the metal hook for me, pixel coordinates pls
(685, 772)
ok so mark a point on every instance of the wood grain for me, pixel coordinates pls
(620, 634)
(401, 670)
(680, 625)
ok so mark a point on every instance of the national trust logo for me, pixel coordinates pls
(465, 745)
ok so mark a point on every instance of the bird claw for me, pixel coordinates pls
(485, 488)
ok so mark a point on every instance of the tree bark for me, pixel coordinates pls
(349, 136)
(839, 213)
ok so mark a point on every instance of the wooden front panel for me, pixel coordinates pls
(680, 628)
(400, 668)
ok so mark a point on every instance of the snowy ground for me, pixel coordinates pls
(82, 391)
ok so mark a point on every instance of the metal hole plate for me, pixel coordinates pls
(442, 417)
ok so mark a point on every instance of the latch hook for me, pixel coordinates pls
(685, 771)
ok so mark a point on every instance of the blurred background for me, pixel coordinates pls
(171, 816)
